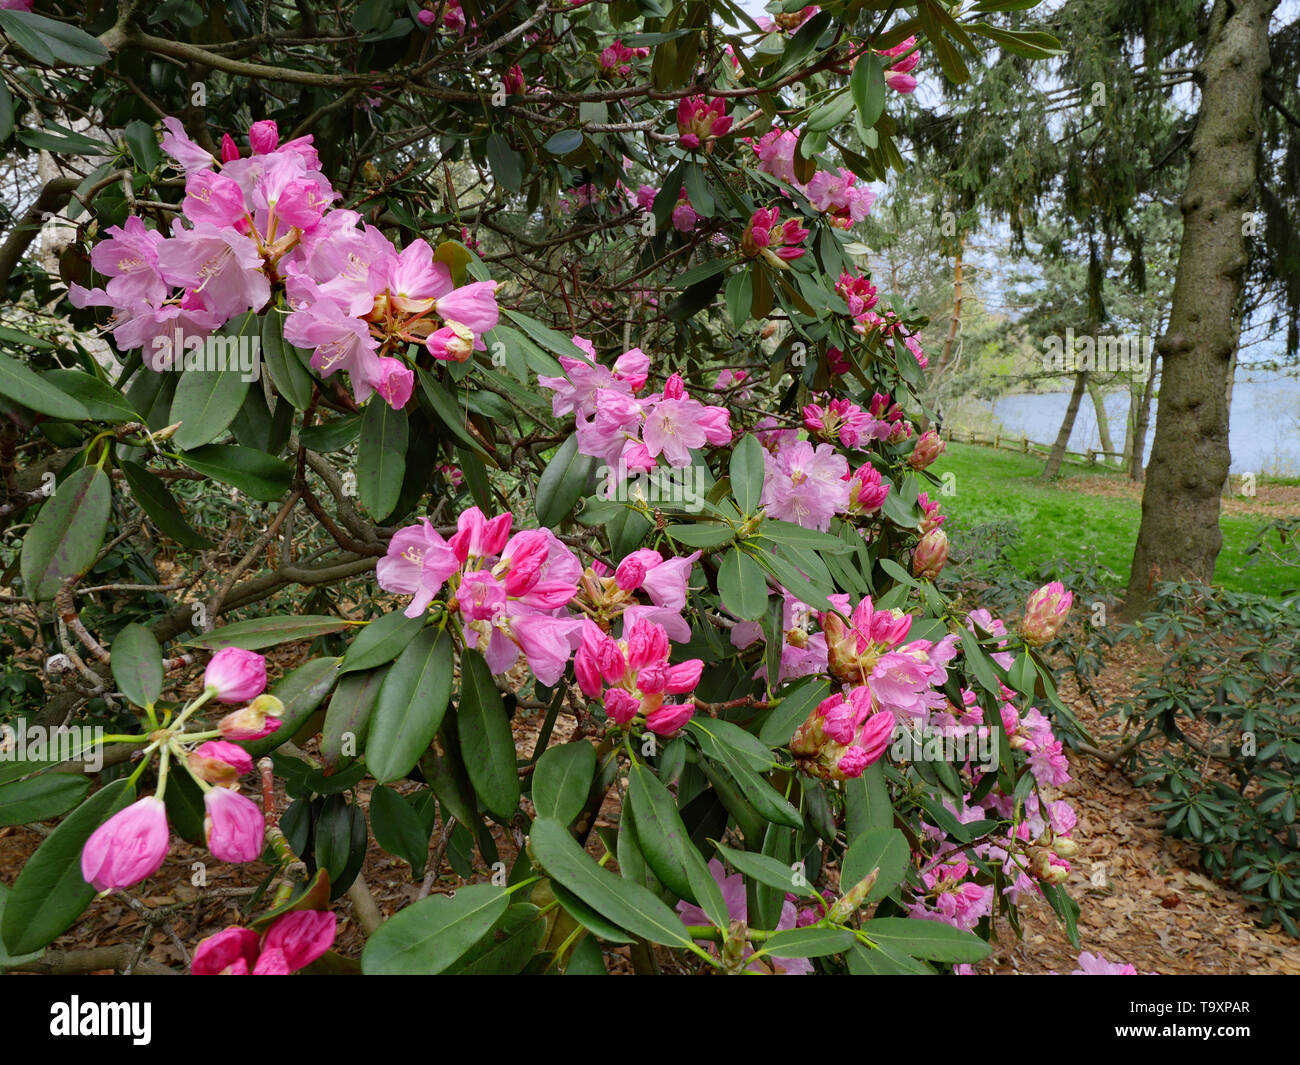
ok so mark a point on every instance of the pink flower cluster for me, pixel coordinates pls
(246, 220)
(632, 676)
(700, 121)
(899, 76)
(803, 649)
(804, 484)
(292, 942)
(835, 193)
(619, 58)
(844, 421)
(605, 596)
(684, 216)
(775, 241)
(843, 735)
(510, 591)
(633, 433)
(132, 844)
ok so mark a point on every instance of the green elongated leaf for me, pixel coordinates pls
(380, 641)
(431, 935)
(8, 960)
(205, 404)
(41, 797)
(932, 18)
(667, 845)
(510, 945)
(867, 85)
(290, 377)
(143, 145)
(564, 142)
(411, 706)
(447, 408)
(185, 808)
(809, 942)
(592, 921)
(265, 632)
(585, 959)
(758, 791)
(767, 870)
(331, 436)
(348, 718)
(339, 842)
(628, 905)
(979, 663)
(797, 702)
(702, 535)
(50, 894)
(156, 500)
(258, 475)
(136, 659)
(485, 737)
(51, 42)
(547, 337)
(6, 130)
(747, 472)
(703, 272)
(398, 828)
(562, 780)
(713, 734)
(381, 457)
(506, 164)
(67, 534)
(784, 532)
(104, 403)
(830, 114)
(794, 582)
(931, 940)
(884, 961)
(26, 387)
(740, 297)
(878, 848)
(563, 483)
(742, 585)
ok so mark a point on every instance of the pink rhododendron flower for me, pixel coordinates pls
(839, 196)
(1096, 965)
(259, 718)
(806, 486)
(843, 735)
(619, 57)
(775, 151)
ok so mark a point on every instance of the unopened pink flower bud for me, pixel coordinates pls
(630, 574)
(928, 448)
(1045, 613)
(235, 675)
(128, 847)
(256, 720)
(930, 555)
(233, 825)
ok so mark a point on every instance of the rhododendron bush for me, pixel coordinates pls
(576, 533)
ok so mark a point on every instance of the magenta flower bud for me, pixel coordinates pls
(128, 847)
(235, 675)
(1045, 613)
(928, 448)
(452, 343)
(229, 150)
(233, 825)
(300, 937)
(231, 952)
(630, 574)
(668, 719)
(621, 706)
(929, 556)
(264, 136)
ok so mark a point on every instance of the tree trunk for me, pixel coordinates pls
(1143, 420)
(1103, 422)
(954, 326)
(1226, 491)
(1179, 536)
(1057, 454)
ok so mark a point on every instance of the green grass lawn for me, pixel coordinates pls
(1054, 523)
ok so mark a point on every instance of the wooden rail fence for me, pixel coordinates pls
(1025, 446)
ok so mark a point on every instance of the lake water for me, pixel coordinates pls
(1264, 431)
